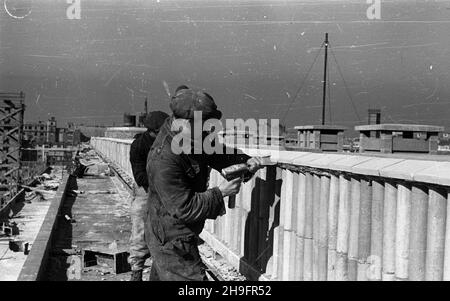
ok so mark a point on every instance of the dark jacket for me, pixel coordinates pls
(179, 201)
(138, 157)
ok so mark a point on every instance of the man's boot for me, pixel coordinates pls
(136, 275)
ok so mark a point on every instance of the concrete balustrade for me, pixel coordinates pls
(317, 216)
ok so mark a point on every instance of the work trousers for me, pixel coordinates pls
(176, 260)
(139, 251)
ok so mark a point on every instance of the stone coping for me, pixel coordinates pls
(320, 127)
(421, 170)
(399, 127)
(34, 266)
(126, 129)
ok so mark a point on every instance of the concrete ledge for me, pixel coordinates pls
(399, 127)
(34, 265)
(437, 173)
(326, 160)
(287, 156)
(234, 259)
(307, 158)
(406, 169)
(125, 141)
(347, 163)
(373, 166)
(427, 169)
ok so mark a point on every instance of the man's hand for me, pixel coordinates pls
(230, 188)
(254, 164)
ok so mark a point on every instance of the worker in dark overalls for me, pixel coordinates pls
(139, 149)
(179, 201)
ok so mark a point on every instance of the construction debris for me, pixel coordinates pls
(219, 264)
(94, 192)
(69, 219)
(18, 245)
(45, 189)
(88, 163)
(107, 260)
(9, 228)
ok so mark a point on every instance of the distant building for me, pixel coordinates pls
(51, 131)
(134, 120)
(59, 156)
(395, 138)
(444, 139)
(48, 134)
(35, 132)
(444, 142)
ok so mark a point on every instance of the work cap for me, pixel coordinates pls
(186, 101)
(154, 120)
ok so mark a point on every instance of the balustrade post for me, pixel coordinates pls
(308, 253)
(355, 194)
(333, 208)
(403, 222)
(376, 233)
(364, 229)
(446, 276)
(300, 227)
(389, 223)
(437, 211)
(316, 225)
(418, 233)
(343, 229)
(323, 228)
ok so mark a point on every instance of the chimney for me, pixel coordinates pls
(374, 116)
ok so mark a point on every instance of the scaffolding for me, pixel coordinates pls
(12, 109)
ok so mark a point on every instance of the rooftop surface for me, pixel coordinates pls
(93, 215)
(99, 217)
(320, 127)
(399, 127)
(28, 216)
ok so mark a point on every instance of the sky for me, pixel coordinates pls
(251, 56)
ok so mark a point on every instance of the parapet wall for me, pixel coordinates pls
(123, 132)
(317, 216)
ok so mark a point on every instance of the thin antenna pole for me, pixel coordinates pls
(325, 78)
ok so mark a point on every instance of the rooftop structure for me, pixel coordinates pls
(391, 138)
(320, 137)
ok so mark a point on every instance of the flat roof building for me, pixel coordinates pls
(394, 138)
